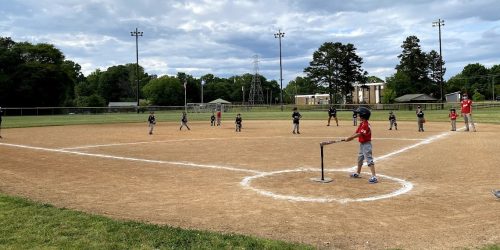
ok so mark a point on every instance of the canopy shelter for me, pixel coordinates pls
(219, 101)
(420, 98)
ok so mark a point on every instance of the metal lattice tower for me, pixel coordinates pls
(256, 96)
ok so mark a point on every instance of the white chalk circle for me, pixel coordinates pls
(406, 186)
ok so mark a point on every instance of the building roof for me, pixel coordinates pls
(454, 93)
(313, 95)
(415, 98)
(219, 101)
(122, 104)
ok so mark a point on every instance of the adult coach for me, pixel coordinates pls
(466, 112)
(1, 114)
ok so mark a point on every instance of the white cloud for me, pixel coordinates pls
(221, 36)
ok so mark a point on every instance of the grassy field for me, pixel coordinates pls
(29, 225)
(491, 115)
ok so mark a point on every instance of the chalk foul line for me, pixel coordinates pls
(186, 164)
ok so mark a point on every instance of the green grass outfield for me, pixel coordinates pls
(490, 115)
(28, 225)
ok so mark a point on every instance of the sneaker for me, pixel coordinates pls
(496, 193)
(298, 132)
(373, 180)
(293, 132)
(355, 175)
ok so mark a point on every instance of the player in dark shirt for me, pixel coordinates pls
(238, 123)
(420, 119)
(212, 119)
(392, 121)
(332, 112)
(184, 121)
(151, 122)
(296, 118)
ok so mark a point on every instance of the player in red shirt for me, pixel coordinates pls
(466, 112)
(219, 117)
(453, 119)
(364, 135)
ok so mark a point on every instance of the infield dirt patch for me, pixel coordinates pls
(192, 179)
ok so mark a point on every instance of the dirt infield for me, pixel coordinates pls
(434, 189)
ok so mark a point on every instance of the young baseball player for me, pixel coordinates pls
(219, 117)
(1, 114)
(238, 123)
(354, 117)
(466, 112)
(296, 118)
(364, 135)
(392, 121)
(212, 119)
(420, 119)
(151, 122)
(184, 121)
(332, 112)
(453, 119)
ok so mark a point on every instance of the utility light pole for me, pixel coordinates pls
(440, 23)
(279, 35)
(137, 34)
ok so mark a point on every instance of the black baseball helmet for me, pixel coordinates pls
(364, 113)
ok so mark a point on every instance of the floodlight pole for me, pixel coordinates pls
(185, 96)
(440, 23)
(202, 91)
(137, 34)
(279, 35)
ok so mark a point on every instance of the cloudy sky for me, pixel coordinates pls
(222, 36)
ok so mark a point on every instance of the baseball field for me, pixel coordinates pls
(434, 189)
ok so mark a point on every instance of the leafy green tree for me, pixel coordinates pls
(35, 75)
(476, 80)
(435, 63)
(478, 96)
(495, 79)
(400, 84)
(373, 79)
(336, 66)
(165, 91)
(114, 85)
(414, 64)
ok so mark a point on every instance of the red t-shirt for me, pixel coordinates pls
(365, 132)
(219, 114)
(453, 116)
(466, 105)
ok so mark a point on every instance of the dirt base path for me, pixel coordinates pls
(210, 177)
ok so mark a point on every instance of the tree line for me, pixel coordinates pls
(40, 75)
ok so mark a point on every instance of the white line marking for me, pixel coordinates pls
(223, 138)
(188, 164)
(406, 185)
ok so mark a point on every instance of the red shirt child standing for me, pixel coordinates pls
(453, 118)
